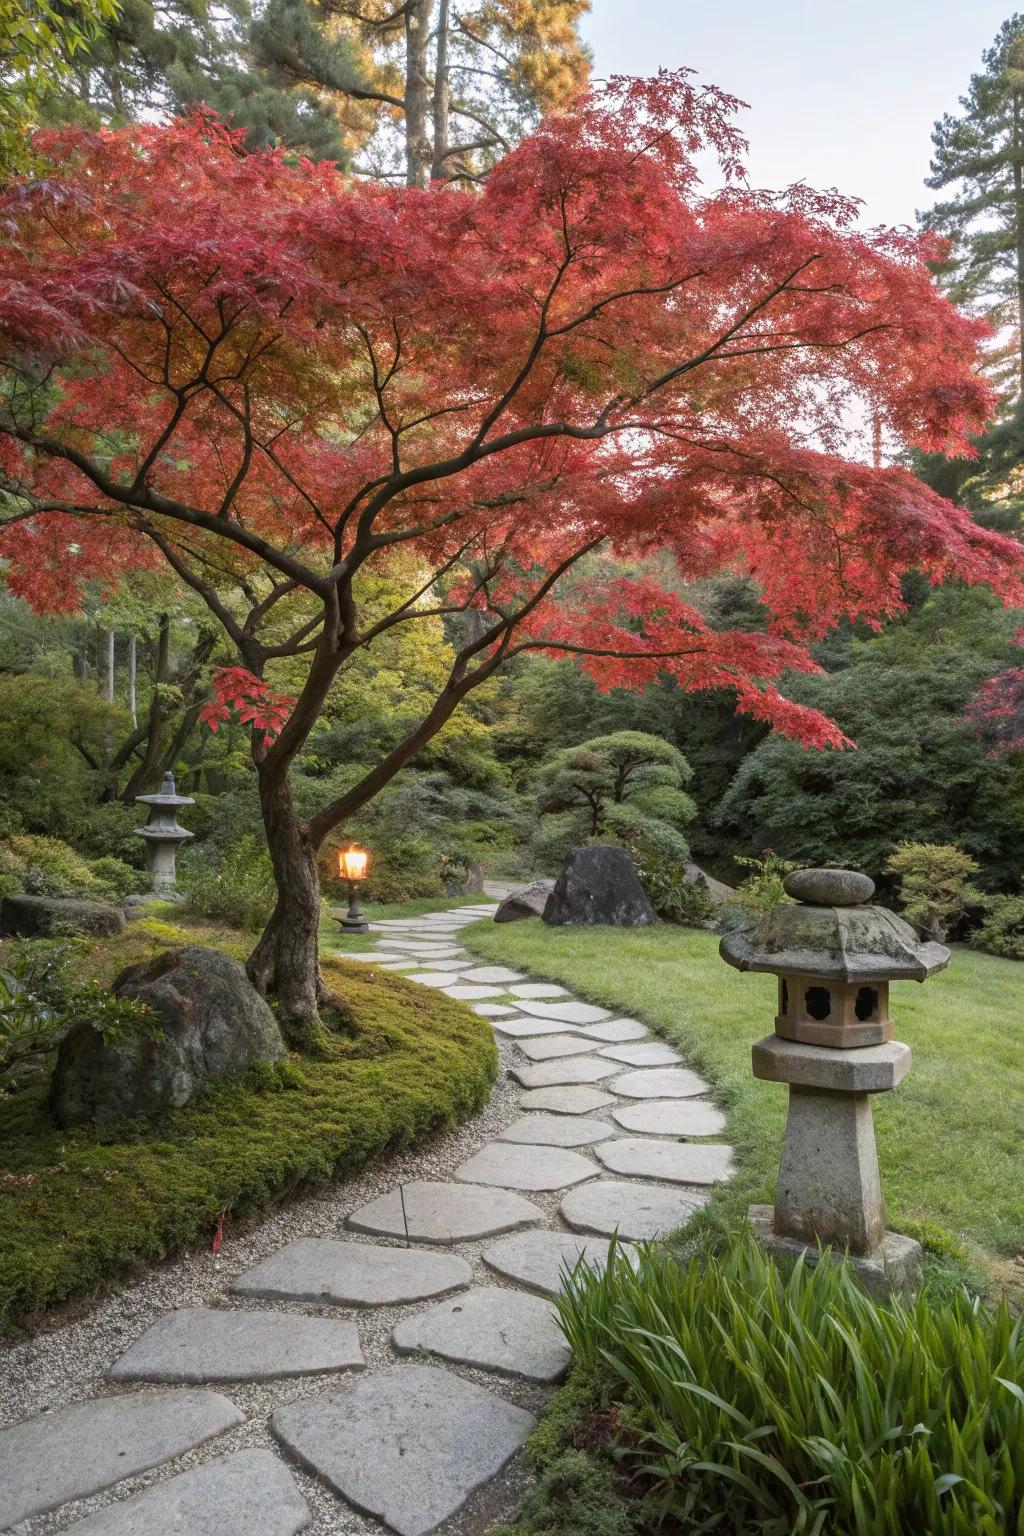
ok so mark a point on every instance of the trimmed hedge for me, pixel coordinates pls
(80, 1209)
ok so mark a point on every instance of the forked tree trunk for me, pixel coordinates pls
(285, 963)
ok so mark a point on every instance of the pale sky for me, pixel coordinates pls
(840, 95)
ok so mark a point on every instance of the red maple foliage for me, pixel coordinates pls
(274, 379)
(997, 709)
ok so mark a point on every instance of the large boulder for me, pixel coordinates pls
(30, 917)
(599, 885)
(212, 1022)
(529, 901)
(716, 889)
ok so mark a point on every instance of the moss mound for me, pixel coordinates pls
(80, 1209)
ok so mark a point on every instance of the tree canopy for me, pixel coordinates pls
(310, 375)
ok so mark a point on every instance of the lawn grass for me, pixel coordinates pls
(950, 1138)
(81, 1208)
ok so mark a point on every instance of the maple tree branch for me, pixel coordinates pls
(224, 616)
(145, 499)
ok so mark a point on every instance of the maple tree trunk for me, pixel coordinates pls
(1018, 230)
(285, 963)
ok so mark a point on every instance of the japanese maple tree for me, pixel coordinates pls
(282, 383)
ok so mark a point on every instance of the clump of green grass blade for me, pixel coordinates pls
(790, 1404)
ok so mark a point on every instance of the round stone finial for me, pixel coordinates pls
(829, 887)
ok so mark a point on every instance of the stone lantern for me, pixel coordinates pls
(835, 956)
(162, 832)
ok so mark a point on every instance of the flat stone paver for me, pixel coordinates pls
(471, 994)
(458, 966)
(615, 1030)
(509, 1165)
(566, 1013)
(557, 1131)
(637, 1212)
(492, 1329)
(197, 1344)
(660, 1083)
(428, 1212)
(547, 1047)
(87, 1446)
(493, 973)
(643, 1053)
(671, 1117)
(567, 1101)
(521, 1028)
(537, 989)
(541, 1260)
(408, 1445)
(573, 1069)
(495, 1010)
(676, 1162)
(426, 947)
(435, 978)
(249, 1493)
(322, 1269)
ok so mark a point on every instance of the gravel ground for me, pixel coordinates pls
(67, 1363)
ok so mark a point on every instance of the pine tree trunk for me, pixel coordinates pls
(132, 695)
(439, 167)
(285, 963)
(1018, 217)
(417, 92)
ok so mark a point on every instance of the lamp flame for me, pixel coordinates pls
(352, 863)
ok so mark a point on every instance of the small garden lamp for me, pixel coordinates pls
(352, 864)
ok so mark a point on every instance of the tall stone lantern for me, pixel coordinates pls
(162, 833)
(834, 955)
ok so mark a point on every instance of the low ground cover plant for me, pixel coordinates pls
(789, 1404)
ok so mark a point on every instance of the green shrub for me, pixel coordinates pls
(762, 889)
(233, 884)
(45, 866)
(1002, 930)
(39, 1000)
(771, 1403)
(935, 886)
(117, 878)
(663, 877)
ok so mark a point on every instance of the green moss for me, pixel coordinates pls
(576, 1489)
(79, 1209)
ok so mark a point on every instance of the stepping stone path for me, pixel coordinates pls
(556, 1131)
(75, 1451)
(406, 1443)
(206, 1344)
(492, 1329)
(524, 1167)
(541, 1259)
(353, 1274)
(251, 1493)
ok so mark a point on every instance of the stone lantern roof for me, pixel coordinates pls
(830, 931)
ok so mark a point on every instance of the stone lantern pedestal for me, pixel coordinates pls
(162, 833)
(833, 1046)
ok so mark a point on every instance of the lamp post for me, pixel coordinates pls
(834, 955)
(352, 868)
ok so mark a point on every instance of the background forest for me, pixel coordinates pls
(96, 707)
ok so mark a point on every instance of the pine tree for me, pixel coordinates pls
(158, 56)
(979, 155)
(446, 90)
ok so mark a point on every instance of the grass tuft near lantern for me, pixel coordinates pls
(834, 955)
(352, 863)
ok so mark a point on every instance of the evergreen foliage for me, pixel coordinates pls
(979, 154)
